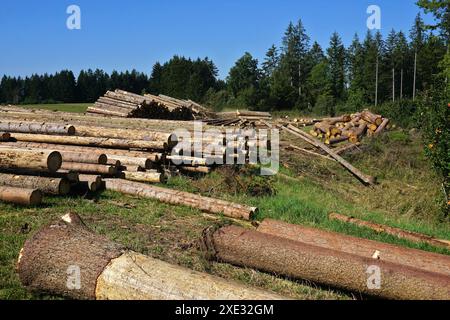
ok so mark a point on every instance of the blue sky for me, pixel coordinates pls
(123, 35)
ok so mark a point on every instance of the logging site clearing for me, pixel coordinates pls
(105, 189)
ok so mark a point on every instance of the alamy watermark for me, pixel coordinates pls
(374, 20)
(73, 22)
(234, 146)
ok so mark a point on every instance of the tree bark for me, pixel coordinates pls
(30, 159)
(35, 127)
(5, 136)
(155, 157)
(91, 141)
(110, 272)
(382, 126)
(20, 196)
(362, 247)
(89, 168)
(206, 204)
(54, 186)
(252, 249)
(151, 177)
(404, 234)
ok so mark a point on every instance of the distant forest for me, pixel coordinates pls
(298, 75)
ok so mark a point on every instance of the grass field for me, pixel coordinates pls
(306, 190)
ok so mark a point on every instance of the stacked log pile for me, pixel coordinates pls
(121, 103)
(49, 154)
(240, 118)
(350, 128)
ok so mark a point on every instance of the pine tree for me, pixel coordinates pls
(336, 60)
(270, 62)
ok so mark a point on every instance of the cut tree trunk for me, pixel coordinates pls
(206, 204)
(414, 258)
(36, 127)
(89, 168)
(155, 157)
(30, 159)
(91, 141)
(367, 180)
(51, 260)
(150, 177)
(54, 186)
(252, 249)
(20, 196)
(118, 133)
(79, 157)
(371, 118)
(404, 234)
(382, 126)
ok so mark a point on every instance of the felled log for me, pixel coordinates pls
(165, 195)
(52, 258)
(91, 141)
(345, 148)
(79, 157)
(155, 157)
(294, 259)
(368, 180)
(20, 196)
(201, 169)
(357, 133)
(404, 234)
(292, 147)
(91, 182)
(30, 159)
(371, 118)
(382, 126)
(54, 186)
(334, 120)
(105, 132)
(362, 247)
(36, 127)
(145, 163)
(89, 168)
(150, 177)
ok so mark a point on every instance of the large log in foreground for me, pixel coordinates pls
(51, 260)
(409, 235)
(252, 249)
(21, 196)
(211, 205)
(30, 159)
(54, 186)
(432, 262)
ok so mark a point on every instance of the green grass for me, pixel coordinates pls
(66, 107)
(306, 191)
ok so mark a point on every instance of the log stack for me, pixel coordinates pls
(120, 103)
(59, 153)
(350, 128)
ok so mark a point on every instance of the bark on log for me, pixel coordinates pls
(91, 182)
(104, 132)
(54, 186)
(20, 196)
(150, 177)
(30, 159)
(110, 272)
(205, 170)
(206, 204)
(368, 180)
(89, 168)
(371, 118)
(382, 126)
(91, 141)
(36, 127)
(252, 249)
(155, 157)
(79, 157)
(404, 234)
(362, 247)
(145, 163)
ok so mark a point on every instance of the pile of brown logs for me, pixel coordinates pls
(334, 260)
(48, 155)
(239, 118)
(350, 128)
(121, 103)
